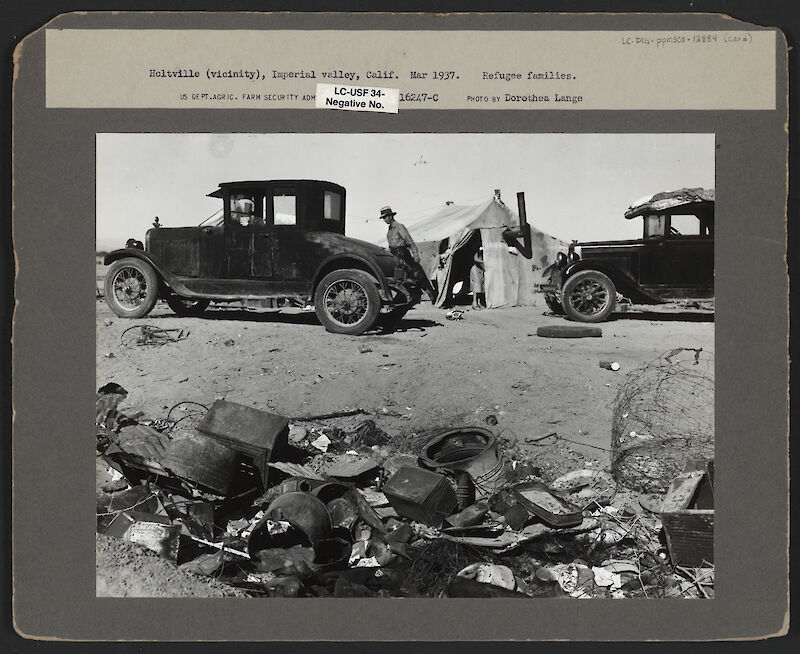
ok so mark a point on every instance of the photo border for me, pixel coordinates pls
(752, 395)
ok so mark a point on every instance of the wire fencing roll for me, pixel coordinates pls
(663, 414)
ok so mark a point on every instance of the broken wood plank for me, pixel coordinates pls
(332, 414)
(682, 491)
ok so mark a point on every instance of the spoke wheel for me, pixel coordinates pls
(589, 296)
(131, 288)
(347, 301)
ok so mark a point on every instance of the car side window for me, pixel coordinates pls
(654, 226)
(332, 206)
(685, 225)
(284, 207)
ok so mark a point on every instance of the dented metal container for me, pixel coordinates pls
(253, 432)
(421, 495)
(202, 459)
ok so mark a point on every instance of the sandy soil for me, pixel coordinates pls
(430, 372)
(129, 570)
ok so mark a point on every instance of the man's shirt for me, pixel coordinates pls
(398, 236)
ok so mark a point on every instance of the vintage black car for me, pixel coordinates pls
(673, 261)
(274, 239)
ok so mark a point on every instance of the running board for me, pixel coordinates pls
(236, 289)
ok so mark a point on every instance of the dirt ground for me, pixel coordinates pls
(430, 372)
(129, 570)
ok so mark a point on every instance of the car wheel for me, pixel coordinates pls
(553, 304)
(131, 288)
(347, 301)
(589, 296)
(188, 307)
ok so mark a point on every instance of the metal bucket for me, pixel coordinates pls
(471, 450)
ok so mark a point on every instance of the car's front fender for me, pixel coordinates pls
(164, 275)
(351, 260)
(624, 283)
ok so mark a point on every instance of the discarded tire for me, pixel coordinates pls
(569, 331)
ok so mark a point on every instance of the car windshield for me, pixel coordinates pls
(654, 226)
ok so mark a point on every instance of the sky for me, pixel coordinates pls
(577, 186)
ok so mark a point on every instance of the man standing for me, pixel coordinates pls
(403, 247)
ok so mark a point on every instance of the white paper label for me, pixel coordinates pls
(357, 98)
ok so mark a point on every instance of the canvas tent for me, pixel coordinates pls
(448, 239)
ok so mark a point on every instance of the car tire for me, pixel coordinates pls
(589, 296)
(347, 301)
(553, 304)
(187, 307)
(569, 331)
(131, 288)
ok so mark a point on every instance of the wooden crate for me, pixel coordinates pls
(687, 514)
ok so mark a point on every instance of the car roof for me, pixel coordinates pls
(672, 202)
(258, 182)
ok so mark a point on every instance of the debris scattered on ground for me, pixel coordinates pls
(610, 365)
(321, 443)
(268, 506)
(455, 314)
(149, 335)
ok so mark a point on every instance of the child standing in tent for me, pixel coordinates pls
(476, 281)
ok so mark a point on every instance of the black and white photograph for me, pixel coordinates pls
(405, 365)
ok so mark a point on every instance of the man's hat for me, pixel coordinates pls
(386, 212)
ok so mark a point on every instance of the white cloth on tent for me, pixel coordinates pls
(501, 273)
(456, 243)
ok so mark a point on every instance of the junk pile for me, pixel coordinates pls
(288, 508)
(663, 415)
